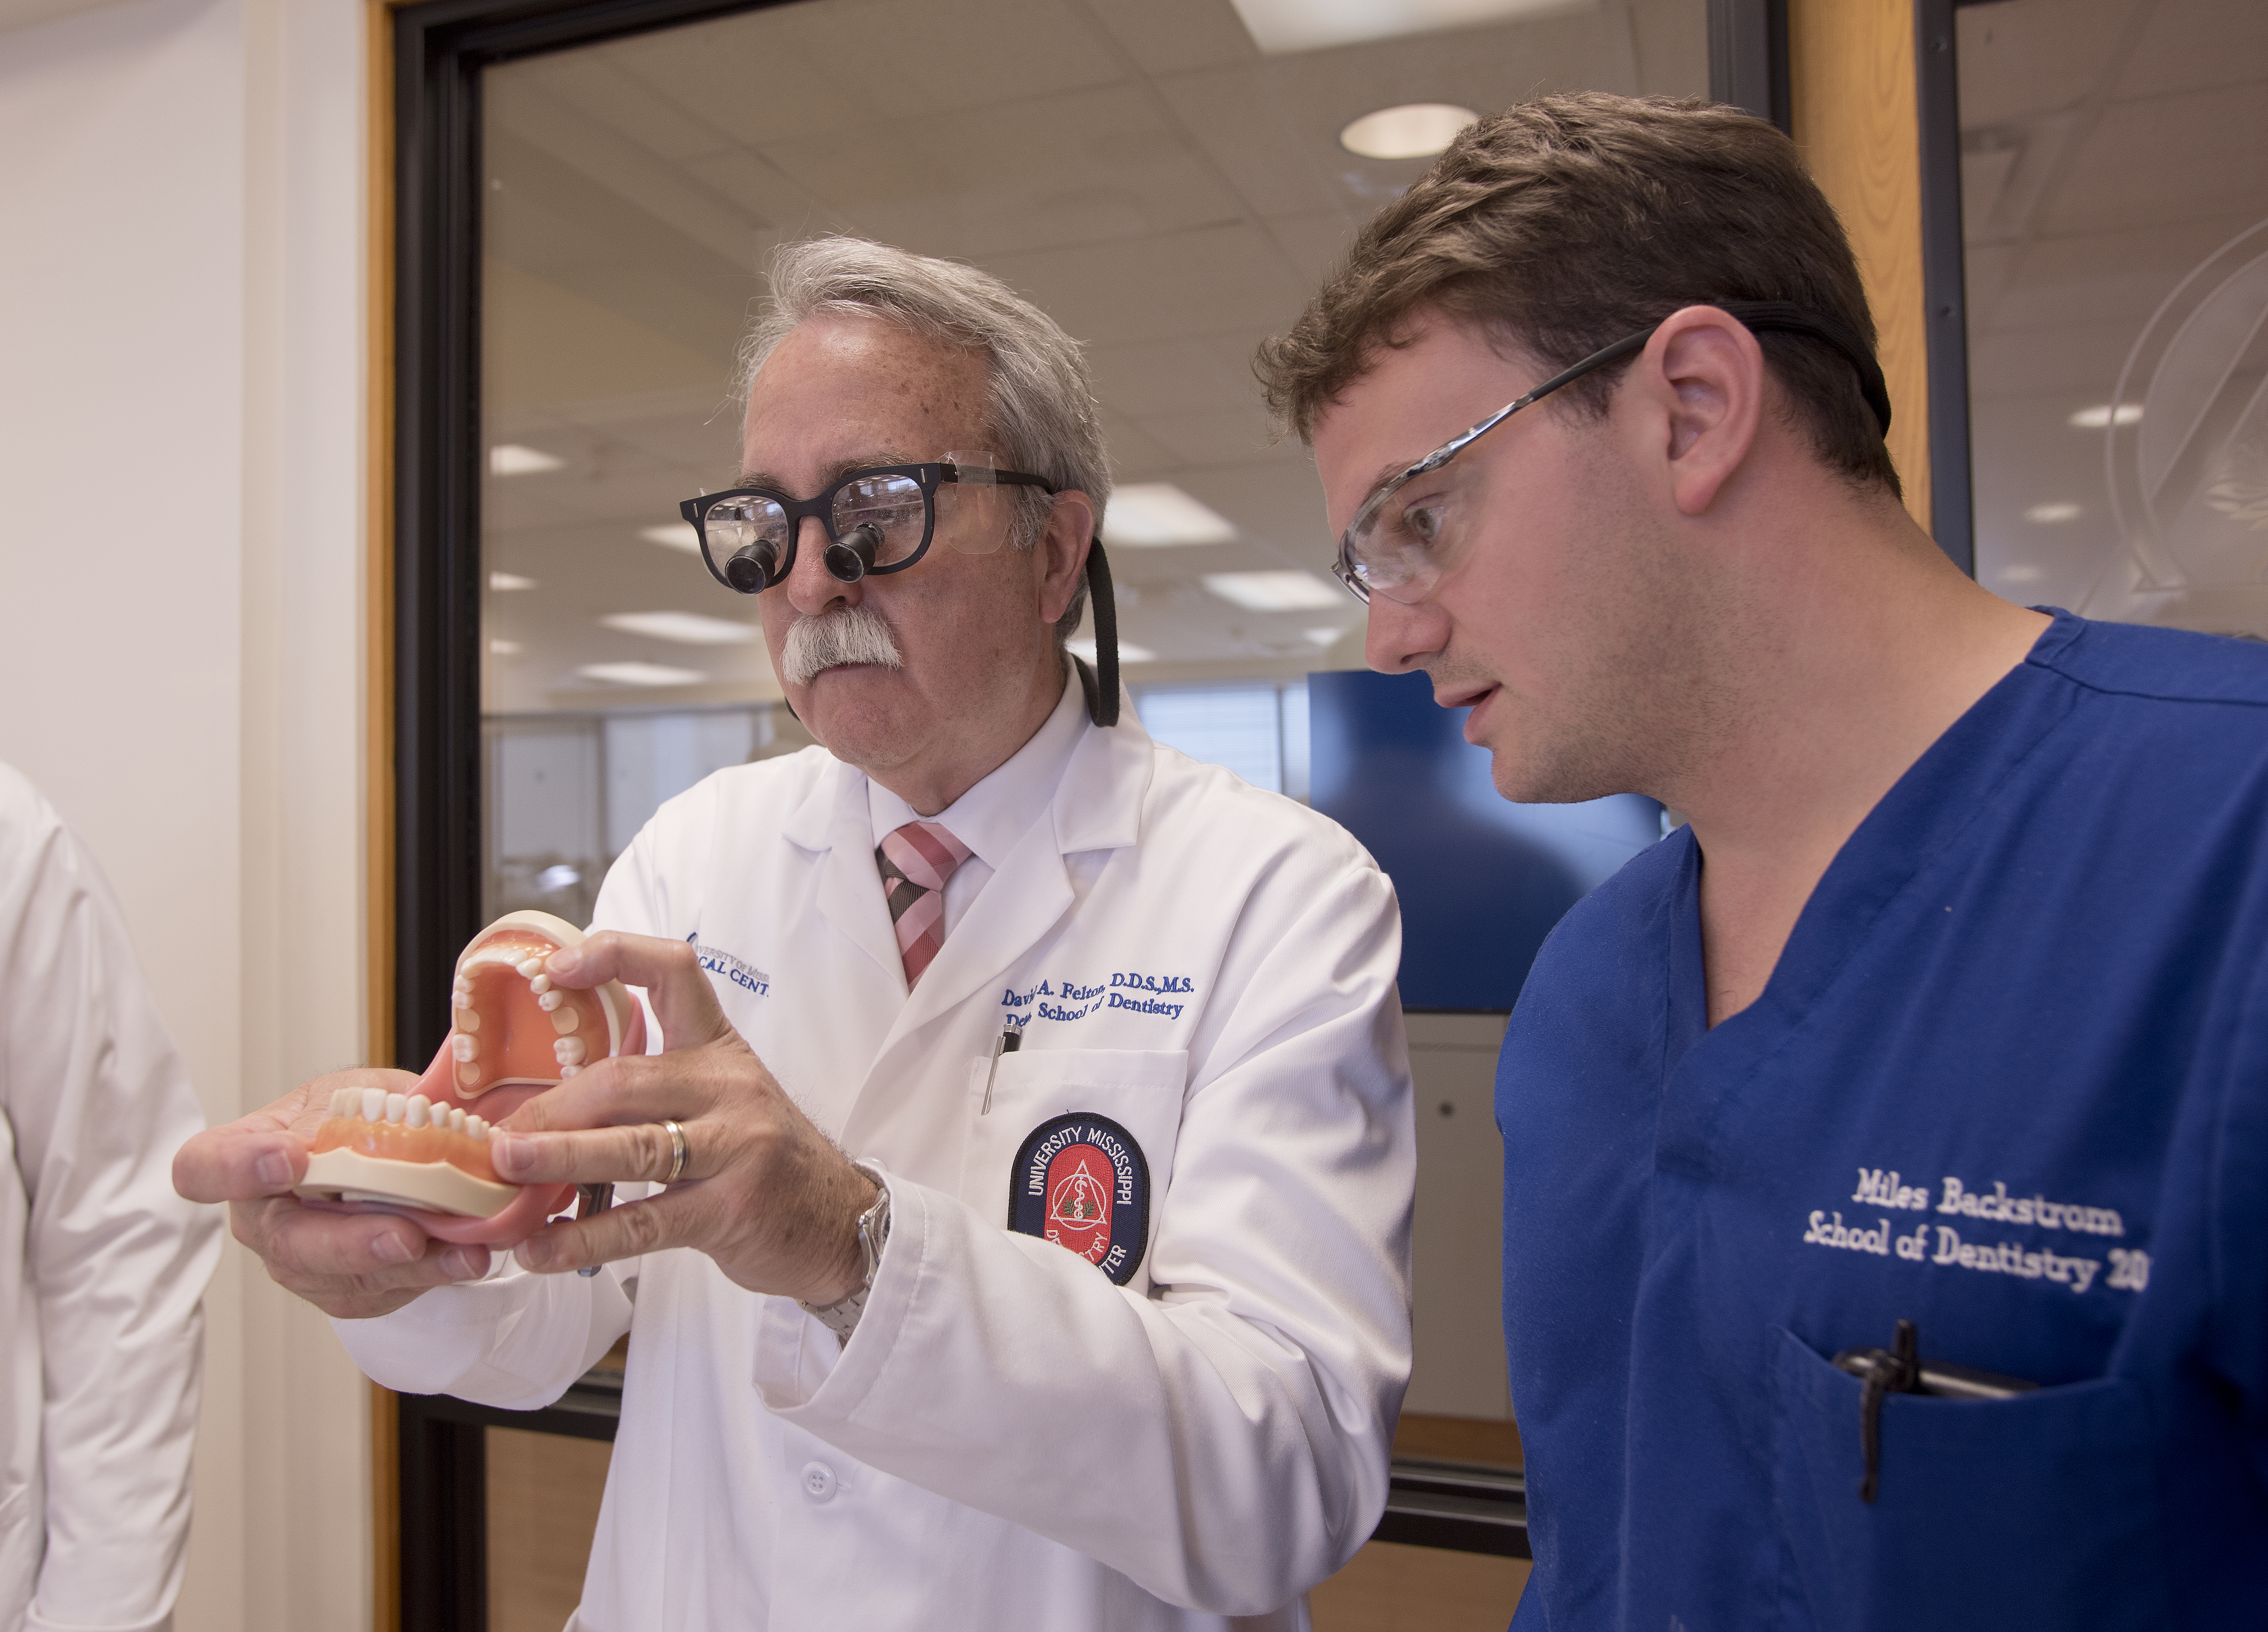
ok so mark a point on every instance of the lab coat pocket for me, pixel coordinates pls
(2039, 1510)
(1076, 1149)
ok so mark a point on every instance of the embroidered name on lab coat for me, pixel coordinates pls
(1944, 1246)
(1083, 1183)
(1076, 1000)
(747, 977)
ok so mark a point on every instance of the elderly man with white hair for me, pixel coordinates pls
(1036, 1097)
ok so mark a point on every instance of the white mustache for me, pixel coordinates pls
(850, 634)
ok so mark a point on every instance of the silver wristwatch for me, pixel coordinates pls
(841, 1316)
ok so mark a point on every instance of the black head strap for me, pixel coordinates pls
(1788, 318)
(1100, 683)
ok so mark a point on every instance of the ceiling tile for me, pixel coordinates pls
(793, 71)
(1033, 174)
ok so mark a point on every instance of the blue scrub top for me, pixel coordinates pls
(2009, 1081)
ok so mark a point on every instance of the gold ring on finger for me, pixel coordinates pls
(676, 1152)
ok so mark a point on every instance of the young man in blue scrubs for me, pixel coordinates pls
(1940, 1030)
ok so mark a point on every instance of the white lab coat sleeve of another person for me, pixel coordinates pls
(1225, 1439)
(102, 1266)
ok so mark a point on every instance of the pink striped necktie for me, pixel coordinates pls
(916, 860)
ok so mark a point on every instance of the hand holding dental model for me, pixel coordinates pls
(761, 1191)
(510, 1028)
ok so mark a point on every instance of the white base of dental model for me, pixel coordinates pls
(422, 1175)
(431, 1187)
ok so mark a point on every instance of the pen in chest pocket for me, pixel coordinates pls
(1006, 1043)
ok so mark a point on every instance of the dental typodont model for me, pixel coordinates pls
(511, 1029)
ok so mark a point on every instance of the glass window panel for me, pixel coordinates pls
(1167, 184)
(2115, 196)
(1237, 726)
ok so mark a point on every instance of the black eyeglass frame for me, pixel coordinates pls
(849, 565)
(1755, 315)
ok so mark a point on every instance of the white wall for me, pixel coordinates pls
(181, 623)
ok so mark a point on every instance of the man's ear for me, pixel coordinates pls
(1063, 552)
(1703, 376)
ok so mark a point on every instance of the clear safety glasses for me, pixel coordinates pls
(1400, 542)
(878, 519)
(1404, 537)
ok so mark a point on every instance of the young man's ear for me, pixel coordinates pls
(1702, 373)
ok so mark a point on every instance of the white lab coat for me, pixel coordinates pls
(1008, 1439)
(102, 1264)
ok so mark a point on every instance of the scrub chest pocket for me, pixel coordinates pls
(1077, 1147)
(2034, 1510)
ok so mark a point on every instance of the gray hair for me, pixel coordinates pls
(1043, 410)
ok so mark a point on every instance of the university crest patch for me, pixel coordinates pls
(1081, 1182)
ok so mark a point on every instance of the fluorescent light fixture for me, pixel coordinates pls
(1275, 592)
(1279, 27)
(685, 628)
(2047, 515)
(505, 648)
(1413, 131)
(1128, 652)
(1151, 516)
(509, 580)
(2101, 415)
(676, 535)
(511, 459)
(641, 674)
(1324, 636)
(2020, 575)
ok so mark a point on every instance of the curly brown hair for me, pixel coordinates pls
(1563, 224)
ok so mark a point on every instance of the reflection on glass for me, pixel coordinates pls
(2115, 207)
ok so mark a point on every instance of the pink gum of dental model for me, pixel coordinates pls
(512, 1035)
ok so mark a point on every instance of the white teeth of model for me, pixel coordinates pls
(374, 1104)
(567, 1071)
(477, 1128)
(468, 1018)
(457, 1119)
(465, 1048)
(421, 1111)
(531, 967)
(566, 1020)
(568, 1050)
(397, 1106)
(550, 1000)
(468, 1076)
(538, 984)
(339, 1100)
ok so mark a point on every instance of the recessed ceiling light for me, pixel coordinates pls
(641, 674)
(1325, 637)
(1280, 27)
(509, 580)
(2062, 510)
(1128, 652)
(676, 535)
(1147, 515)
(1274, 592)
(511, 459)
(2102, 415)
(685, 628)
(505, 648)
(1413, 131)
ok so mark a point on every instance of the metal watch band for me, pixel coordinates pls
(841, 1316)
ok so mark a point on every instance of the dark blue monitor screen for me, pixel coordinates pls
(1481, 880)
